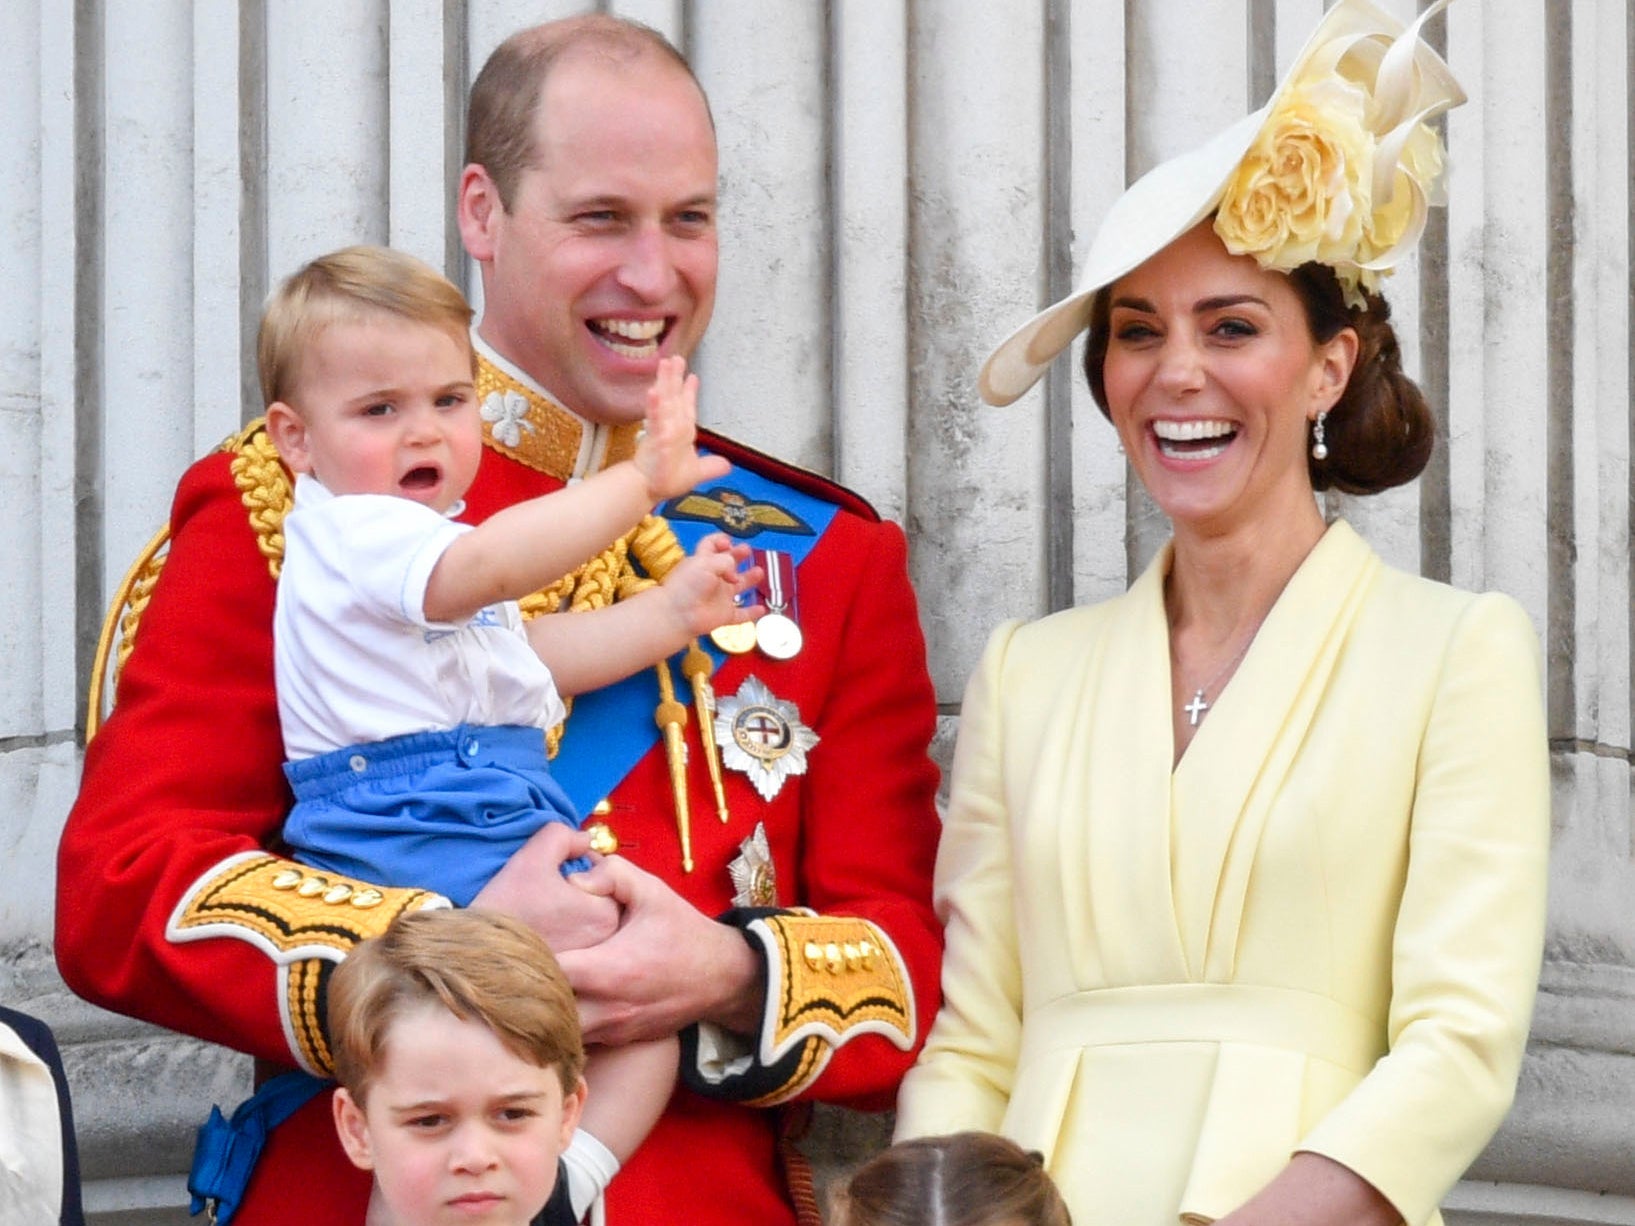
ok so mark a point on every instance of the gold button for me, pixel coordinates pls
(288, 879)
(602, 807)
(814, 955)
(337, 894)
(364, 899)
(602, 839)
(832, 956)
(312, 887)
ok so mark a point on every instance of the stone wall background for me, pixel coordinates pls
(903, 181)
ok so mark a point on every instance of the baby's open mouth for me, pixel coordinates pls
(423, 478)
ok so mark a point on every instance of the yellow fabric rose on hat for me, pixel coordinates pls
(1421, 164)
(1302, 191)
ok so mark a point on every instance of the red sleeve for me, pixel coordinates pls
(871, 824)
(168, 908)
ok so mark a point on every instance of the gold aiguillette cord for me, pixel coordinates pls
(671, 718)
(655, 546)
(696, 666)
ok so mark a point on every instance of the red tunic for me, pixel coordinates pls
(170, 910)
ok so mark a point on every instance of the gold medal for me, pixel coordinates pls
(735, 639)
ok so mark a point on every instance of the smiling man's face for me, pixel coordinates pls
(605, 260)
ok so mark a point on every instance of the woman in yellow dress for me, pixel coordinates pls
(1243, 872)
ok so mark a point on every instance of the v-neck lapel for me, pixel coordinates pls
(1223, 788)
(1129, 744)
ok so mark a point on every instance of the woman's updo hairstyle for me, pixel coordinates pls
(1379, 433)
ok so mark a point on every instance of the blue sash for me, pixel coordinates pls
(226, 1151)
(612, 728)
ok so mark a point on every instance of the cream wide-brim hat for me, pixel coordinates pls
(1408, 83)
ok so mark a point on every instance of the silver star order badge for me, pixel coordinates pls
(754, 879)
(762, 736)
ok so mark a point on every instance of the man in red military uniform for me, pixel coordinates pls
(776, 842)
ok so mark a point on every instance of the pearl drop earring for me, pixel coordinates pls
(1319, 449)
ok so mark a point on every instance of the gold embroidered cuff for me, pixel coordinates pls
(829, 979)
(290, 911)
(302, 919)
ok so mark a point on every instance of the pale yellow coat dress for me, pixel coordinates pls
(1321, 931)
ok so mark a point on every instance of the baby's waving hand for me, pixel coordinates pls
(665, 454)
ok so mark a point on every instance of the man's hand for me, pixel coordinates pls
(531, 888)
(669, 965)
(665, 455)
(703, 589)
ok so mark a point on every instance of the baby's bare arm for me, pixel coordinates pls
(586, 651)
(522, 548)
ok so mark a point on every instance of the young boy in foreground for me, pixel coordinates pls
(456, 1044)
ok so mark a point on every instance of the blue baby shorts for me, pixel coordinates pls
(441, 810)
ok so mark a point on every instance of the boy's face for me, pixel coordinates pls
(455, 1127)
(384, 405)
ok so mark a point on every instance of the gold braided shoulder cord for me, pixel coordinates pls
(265, 488)
(606, 578)
(130, 601)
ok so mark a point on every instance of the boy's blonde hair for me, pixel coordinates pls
(964, 1179)
(346, 286)
(480, 966)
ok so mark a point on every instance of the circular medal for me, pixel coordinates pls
(778, 636)
(734, 639)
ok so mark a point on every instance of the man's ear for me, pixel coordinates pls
(289, 434)
(1339, 358)
(353, 1130)
(478, 208)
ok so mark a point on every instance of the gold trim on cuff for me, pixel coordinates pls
(829, 979)
(289, 911)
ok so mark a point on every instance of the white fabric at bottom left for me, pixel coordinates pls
(30, 1135)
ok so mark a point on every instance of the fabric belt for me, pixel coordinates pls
(1251, 1014)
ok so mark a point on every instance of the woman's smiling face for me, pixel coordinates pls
(1211, 377)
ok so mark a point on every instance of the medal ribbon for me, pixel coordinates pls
(779, 585)
(612, 728)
